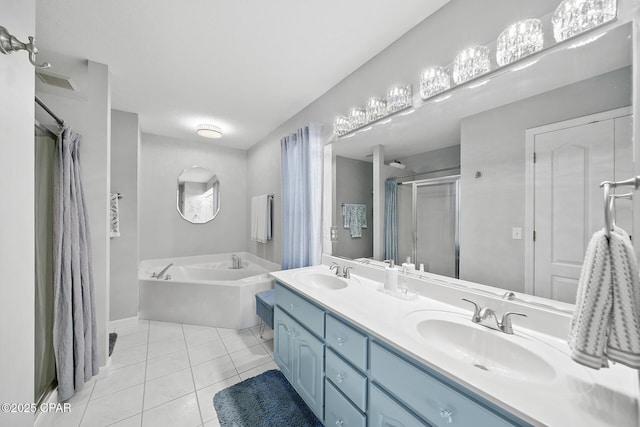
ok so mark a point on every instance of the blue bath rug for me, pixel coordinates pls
(265, 400)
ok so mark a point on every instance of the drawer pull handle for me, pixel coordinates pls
(446, 415)
(291, 306)
(339, 423)
(339, 378)
(341, 340)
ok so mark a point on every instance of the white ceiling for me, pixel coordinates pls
(246, 66)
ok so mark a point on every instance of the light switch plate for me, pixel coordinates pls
(516, 233)
(334, 233)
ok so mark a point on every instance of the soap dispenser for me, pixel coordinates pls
(408, 266)
(390, 276)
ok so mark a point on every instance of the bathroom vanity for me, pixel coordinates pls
(359, 357)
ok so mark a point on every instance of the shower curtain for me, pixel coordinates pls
(74, 329)
(391, 219)
(301, 182)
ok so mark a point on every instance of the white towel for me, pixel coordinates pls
(606, 321)
(114, 212)
(261, 218)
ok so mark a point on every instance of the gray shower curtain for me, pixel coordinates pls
(74, 329)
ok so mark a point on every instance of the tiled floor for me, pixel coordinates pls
(166, 374)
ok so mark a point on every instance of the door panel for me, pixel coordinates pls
(309, 369)
(570, 165)
(282, 343)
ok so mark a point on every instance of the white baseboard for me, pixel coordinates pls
(115, 323)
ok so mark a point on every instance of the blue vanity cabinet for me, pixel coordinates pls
(296, 350)
(283, 342)
(349, 377)
(308, 368)
(432, 399)
(386, 412)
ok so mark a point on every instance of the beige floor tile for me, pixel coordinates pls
(213, 371)
(167, 364)
(207, 351)
(182, 412)
(114, 407)
(119, 379)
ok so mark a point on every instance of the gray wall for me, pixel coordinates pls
(125, 146)
(435, 163)
(434, 41)
(163, 232)
(494, 142)
(90, 115)
(16, 225)
(354, 184)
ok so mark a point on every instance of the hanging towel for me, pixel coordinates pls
(354, 218)
(114, 211)
(606, 321)
(261, 218)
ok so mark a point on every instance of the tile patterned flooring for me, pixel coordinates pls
(166, 374)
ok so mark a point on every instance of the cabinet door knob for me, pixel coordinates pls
(339, 378)
(339, 423)
(446, 415)
(341, 340)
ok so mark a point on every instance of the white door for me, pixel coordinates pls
(570, 165)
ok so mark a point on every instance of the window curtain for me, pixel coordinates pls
(301, 182)
(74, 328)
(391, 219)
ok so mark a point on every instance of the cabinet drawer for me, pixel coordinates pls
(338, 411)
(348, 342)
(385, 412)
(439, 404)
(349, 381)
(311, 316)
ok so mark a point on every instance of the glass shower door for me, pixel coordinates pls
(436, 219)
(45, 369)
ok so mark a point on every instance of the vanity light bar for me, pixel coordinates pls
(519, 40)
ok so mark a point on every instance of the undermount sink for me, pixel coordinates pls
(323, 280)
(453, 337)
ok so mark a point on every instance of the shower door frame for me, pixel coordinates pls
(44, 396)
(431, 182)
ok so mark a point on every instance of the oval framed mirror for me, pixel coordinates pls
(198, 195)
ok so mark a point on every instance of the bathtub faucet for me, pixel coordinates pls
(236, 262)
(161, 274)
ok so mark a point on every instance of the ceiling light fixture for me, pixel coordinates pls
(209, 131)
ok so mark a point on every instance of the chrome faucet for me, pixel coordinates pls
(341, 271)
(509, 296)
(487, 317)
(236, 262)
(161, 274)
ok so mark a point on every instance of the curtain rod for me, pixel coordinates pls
(48, 110)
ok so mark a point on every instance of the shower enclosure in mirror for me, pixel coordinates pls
(428, 215)
(198, 195)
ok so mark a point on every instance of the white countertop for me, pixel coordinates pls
(579, 397)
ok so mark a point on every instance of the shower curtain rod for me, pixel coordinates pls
(48, 110)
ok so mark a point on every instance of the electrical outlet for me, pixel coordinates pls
(334, 233)
(516, 233)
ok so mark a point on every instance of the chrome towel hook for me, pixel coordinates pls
(9, 44)
(609, 200)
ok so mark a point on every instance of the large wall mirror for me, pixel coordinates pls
(470, 193)
(198, 195)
